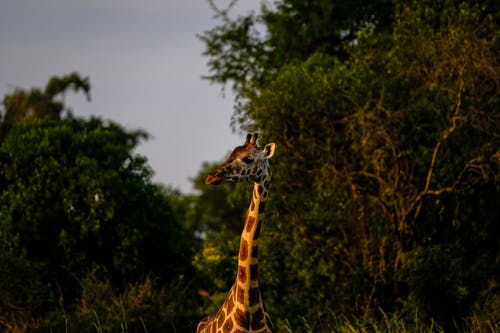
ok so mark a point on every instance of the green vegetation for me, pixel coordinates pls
(383, 214)
(84, 234)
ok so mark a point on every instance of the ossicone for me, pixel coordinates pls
(249, 136)
(253, 138)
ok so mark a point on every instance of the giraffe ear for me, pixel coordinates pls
(269, 150)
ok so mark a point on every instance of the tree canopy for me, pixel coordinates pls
(386, 121)
(75, 198)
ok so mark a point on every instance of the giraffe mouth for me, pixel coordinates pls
(213, 180)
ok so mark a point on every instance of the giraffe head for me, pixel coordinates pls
(246, 163)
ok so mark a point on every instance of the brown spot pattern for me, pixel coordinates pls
(240, 295)
(257, 231)
(228, 325)
(254, 272)
(255, 251)
(242, 274)
(242, 318)
(201, 325)
(254, 296)
(230, 303)
(258, 320)
(220, 321)
(243, 250)
(250, 223)
(262, 205)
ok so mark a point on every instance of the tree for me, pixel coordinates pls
(37, 104)
(387, 171)
(74, 196)
(241, 55)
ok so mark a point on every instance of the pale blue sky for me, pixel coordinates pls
(144, 63)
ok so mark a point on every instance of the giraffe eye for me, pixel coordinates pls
(247, 160)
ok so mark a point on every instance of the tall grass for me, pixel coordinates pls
(142, 308)
(138, 308)
(386, 323)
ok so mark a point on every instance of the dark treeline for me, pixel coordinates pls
(84, 234)
(383, 213)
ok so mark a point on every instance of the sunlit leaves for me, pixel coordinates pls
(386, 144)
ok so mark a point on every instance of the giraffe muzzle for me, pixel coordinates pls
(213, 180)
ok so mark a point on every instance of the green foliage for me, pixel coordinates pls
(385, 185)
(295, 29)
(74, 196)
(40, 104)
(299, 28)
(76, 185)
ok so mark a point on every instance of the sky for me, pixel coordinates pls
(144, 63)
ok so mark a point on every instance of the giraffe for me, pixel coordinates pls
(243, 310)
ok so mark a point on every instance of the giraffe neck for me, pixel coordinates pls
(248, 296)
(244, 310)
